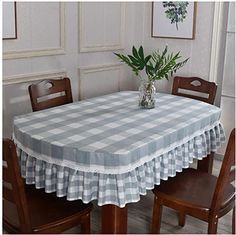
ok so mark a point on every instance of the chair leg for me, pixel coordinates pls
(182, 218)
(85, 226)
(233, 221)
(156, 217)
(212, 225)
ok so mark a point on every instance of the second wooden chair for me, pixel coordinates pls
(58, 90)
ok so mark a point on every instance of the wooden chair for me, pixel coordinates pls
(195, 84)
(184, 86)
(59, 90)
(30, 210)
(203, 87)
(199, 194)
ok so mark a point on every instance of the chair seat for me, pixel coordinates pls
(56, 208)
(46, 209)
(192, 188)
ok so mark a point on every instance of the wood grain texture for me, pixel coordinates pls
(31, 210)
(46, 88)
(206, 164)
(114, 219)
(198, 194)
(187, 83)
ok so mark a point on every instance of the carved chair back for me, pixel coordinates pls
(194, 84)
(50, 93)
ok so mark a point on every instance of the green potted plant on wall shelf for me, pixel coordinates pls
(158, 65)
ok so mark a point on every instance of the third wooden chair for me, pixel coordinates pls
(199, 194)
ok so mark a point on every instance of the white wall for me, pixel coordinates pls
(228, 87)
(78, 40)
(70, 39)
(198, 49)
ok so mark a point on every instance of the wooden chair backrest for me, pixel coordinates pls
(197, 85)
(50, 87)
(13, 186)
(227, 173)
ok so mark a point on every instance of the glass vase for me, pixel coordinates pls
(147, 93)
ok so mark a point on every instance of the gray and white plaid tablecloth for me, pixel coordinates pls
(108, 149)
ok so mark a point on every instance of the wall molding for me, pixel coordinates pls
(216, 40)
(228, 96)
(97, 68)
(218, 47)
(44, 51)
(21, 78)
(102, 47)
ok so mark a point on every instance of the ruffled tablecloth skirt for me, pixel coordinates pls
(118, 189)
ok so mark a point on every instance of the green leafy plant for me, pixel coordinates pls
(158, 65)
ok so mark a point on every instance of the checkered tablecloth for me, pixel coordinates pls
(108, 149)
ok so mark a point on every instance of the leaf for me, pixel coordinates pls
(158, 65)
(141, 67)
(164, 52)
(134, 61)
(150, 64)
(126, 60)
(147, 58)
(135, 52)
(149, 70)
(118, 55)
(140, 52)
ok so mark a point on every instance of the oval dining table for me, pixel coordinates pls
(108, 150)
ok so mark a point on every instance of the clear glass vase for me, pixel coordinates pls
(147, 92)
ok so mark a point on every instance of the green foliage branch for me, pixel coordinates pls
(158, 65)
